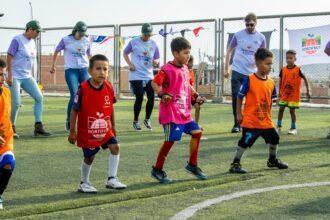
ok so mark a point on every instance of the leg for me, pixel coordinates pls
(236, 82)
(151, 98)
(72, 80)
(197, 112)
(31, 87)
(7, 166)
(194, 146)
(138, 92)
(293, 118)
(83, 75)
(15, 99)
(280, 116)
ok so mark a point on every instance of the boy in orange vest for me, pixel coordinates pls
(256, 119)
(290, 82)
(7, 159)
(93, 107)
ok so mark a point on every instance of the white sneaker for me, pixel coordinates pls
(1, 203)
(113, 183)
(278, 129)
(292, 131)
(86, 188)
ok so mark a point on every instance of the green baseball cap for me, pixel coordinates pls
(146, 28)
(81, 28)
(34, 24)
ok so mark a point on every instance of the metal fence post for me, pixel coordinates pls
(281, 42)
(218, 94)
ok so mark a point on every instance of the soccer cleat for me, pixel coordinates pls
(16, 136)
(136, 126)
(113, 183)
(39, 130)
(160, 175)
(67, 126)
(196, 171)
(277, 163)
(147, 123)
(235, 129)
(1, 203)
(237, 168)
(293, 131)
(86, 188)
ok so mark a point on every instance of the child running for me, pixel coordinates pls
(290, 83)
(256, 120)
(7, 159)
(93, 107)
(172, 84)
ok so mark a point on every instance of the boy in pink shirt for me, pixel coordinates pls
(172, 84)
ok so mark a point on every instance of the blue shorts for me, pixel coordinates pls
(90, 152)
(173, 132)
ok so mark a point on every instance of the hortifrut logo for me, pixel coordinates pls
(311, 44)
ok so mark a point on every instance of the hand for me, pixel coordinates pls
(166, 99)
(308, 97)
(200, 100)
(226, 73)
(132, 67)
(114, 130)
(72, 137)
(2, 141)
(239, 117)
(155, 63)
(10, 81)
(52, 70)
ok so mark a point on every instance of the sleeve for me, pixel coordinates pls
(300, 73)
(274, 93)
(77, 100)
(233, 42)
(88, 51)
(114, 95)
(192, 77)
(160, 78)
(328, 45)
(60, 46)
(263, 43)
(156, 55)
(13, 48)
(129, 48)
(244, 88)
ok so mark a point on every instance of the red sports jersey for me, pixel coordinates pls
(96, 108)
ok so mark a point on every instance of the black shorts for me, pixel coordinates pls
(90, 152)
(251, 135)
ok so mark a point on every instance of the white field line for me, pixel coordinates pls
(190, 211)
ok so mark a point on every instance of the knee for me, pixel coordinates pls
(39, 98)
(197, 134)
(15, 103)
(139, 99)
(8, 162)
(292, 111)
(89, 160)
(114, 148)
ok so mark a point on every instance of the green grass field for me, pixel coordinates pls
(45, 181)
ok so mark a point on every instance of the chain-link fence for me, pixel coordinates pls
(204, 50)
(208, 48)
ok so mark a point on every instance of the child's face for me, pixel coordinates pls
(182, 57)
(2, 76)
(290, 59)
(190, 64)
(265, 66)
(99, 71)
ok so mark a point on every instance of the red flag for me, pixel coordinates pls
(196, 31)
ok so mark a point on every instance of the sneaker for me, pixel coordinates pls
(160, 175)
(136, 126)
(67, 126)
(113, 183)
(204, 138)
(292, 131)
(1, 203)
(86, 188)
(39, 130)
(277, 163)
(278, 129)
(235, 129)
(147, 123)
(237, 168)
(196, 171)
(16, 136)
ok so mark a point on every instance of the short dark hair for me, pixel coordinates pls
(292, 52)
(250, 17)
(262, 54)
(2, 63)
(180, 43)
(97, 57)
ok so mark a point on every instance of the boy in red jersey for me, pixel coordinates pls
(93, 106)
(256, 120)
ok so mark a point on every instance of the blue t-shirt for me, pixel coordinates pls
(246, 45)
(142, 55)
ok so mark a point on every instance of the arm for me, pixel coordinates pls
(127, 51)
(73, 120)
(10, 75)
(199, 99)
(307, 86)
(52, 68)
(113, 123)
(239, 115)
(157, 83)
(327, 50)
(228, 55)
(155, 60)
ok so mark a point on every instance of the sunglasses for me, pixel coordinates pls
(250, 24)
